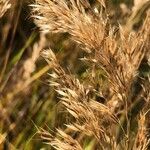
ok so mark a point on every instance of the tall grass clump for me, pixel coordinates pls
(109, 106)
(97, 54)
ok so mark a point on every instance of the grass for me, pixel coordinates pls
(93, 90)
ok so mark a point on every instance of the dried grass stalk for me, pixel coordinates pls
(142, 141)
(4, 6)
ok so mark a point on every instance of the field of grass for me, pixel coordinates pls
(74, 74)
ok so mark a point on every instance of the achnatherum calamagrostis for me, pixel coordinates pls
(118, 55)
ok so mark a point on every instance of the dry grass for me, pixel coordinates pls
(97, 53)
(4, 6)
(115, 50)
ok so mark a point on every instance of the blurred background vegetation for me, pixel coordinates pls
(26, 100)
